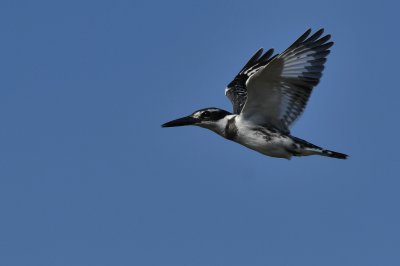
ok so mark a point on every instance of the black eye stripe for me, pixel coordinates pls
(210, 114)
(206, 114)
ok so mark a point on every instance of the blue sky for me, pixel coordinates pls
(88, 176)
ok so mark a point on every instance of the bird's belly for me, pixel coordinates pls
(274, 146)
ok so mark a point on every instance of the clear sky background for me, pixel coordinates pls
(88, 176)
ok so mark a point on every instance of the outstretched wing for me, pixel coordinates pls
(236, 91)
(277, 93)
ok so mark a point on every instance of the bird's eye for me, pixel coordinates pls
(205, 114)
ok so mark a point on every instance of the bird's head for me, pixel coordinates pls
(210, 118)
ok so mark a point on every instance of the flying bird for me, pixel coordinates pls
(268, 95)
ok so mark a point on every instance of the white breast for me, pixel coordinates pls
(264, 141)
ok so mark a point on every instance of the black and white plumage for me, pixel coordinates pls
(268, 94)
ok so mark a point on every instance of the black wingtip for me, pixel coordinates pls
(315, 36)
(265, 57)
(252, 60)
(301, 39)
(305, 34)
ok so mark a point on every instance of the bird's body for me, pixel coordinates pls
(268, 95)
(266, 139)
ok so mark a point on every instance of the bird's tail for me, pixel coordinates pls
(307, 148)
(334, 154)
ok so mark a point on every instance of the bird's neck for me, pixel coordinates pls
(225, 127)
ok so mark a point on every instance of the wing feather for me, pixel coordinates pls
(236, 90)
(277, 92)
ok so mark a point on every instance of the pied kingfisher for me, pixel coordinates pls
(268, 95)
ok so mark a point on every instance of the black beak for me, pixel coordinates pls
(184, 121)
